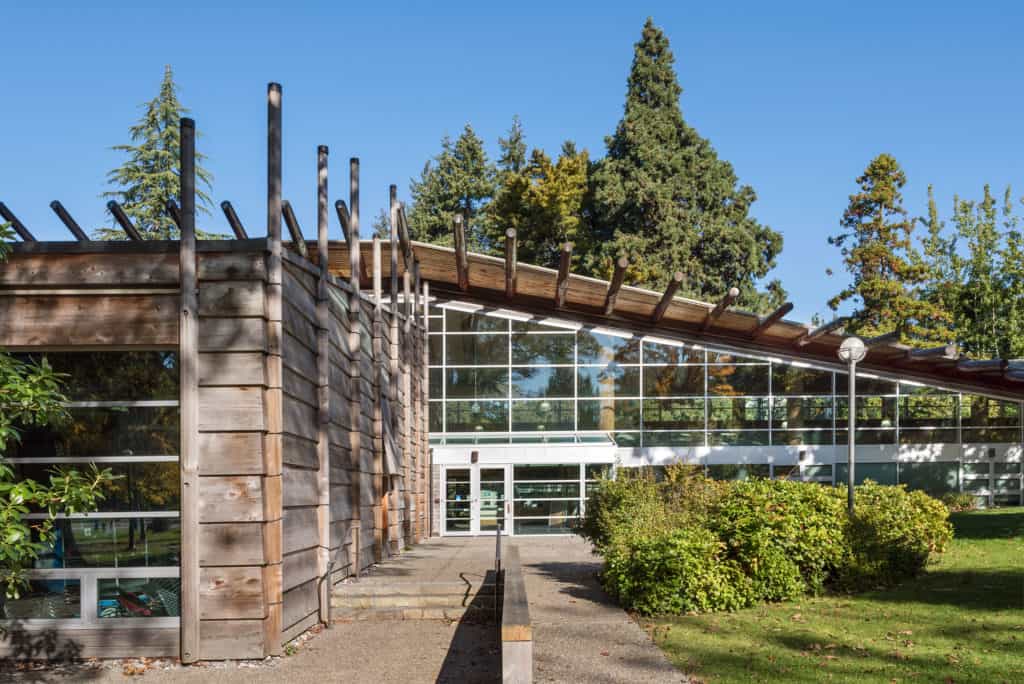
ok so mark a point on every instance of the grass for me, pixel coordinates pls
(962, 621)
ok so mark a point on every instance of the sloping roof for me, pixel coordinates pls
(684, 318)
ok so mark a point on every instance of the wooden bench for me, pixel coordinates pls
(516, 632)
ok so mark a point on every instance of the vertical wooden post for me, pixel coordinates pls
(188, 364)
(424, 465)
(427, 465)
(379, 476)
(354, 348)
(393, 352)
(272, 395)
(408, 356)
(323, 364)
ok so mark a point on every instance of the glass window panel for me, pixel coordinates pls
(612, 380)
(543, 415)
(627, 439)
(738, 380)
(542, 382)
(477, 383)
(477, 350)
(801, 437)
(674, 438)
(816, 471)
(43, 599)
(460, 321)
(933, 478)
(598, 471)
(671, 354)
(732, 414)
(115, 376)
(738, 471)
(121, 597)
(785, 472)
(544, 349)
(534, 326)
(729, 357)
(147, 486)
(868, 436)
(802, 412)
(738, 438)
(882, 473)
(865, 385)
(544, 439)
(114, 542)
(606, 414)
(990, 435)
(976, 485)
(1006, 499)
(1007, 468)
(975, 469)
(787, 379)
(1006, 483)
(928, 435)
(436, 324)
(436, 416)
(477, 416)
(673, 381)
(117, 431)
(928, 409)
(436, 383)
(457, 525)
(673, 413)
(436, 354)
(546, 490)
(553, 525)
(533, 508)
(561, 471)
(978, 411)
(599, 348)
(871, 411)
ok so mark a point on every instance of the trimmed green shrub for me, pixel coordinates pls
(958, 502)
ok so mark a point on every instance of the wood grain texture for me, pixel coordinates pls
(231, 593)
(90, 270)
(67, 321)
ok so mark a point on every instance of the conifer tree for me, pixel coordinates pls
(149, 177)
(887, 274)
(664, 198)
(460, 179)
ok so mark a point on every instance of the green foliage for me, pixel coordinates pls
(888, 275)
(959, 502)
(692, 544)
(149, 177)
(663, 197)
(892, 534)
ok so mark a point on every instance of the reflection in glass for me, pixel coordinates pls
(600, 348)
(932, 478)
(865, 385)
(800, 437)
(673, 438)
(739, 471)
(436, 382)
(568, 471)
(542, 382)
(612, 380)
(43, 599)
(461, 321)
(738, 438)
(109, 431)
(871, 411)
(731, 414)
(787, 379)
(115, 376)
(734, 381)
(656, 353)
(673, 413)
(978, 411)
(477, 416)
(673, 381)
(145, 486)
(476, 350)
(606, 414)
(138, 597)
(477, 383)
(882, 473)
(802, 412)
(113, 542)
(543, 350)
(543, 415)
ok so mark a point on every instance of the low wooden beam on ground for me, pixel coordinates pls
(293, 228)
(172, 210)
(511, 263)
(236, 224)
(670, 291)
(123, 220)
(982, 366)
(822, 330)
(562, 283)
(771, 319)
(461, 258)
(946, 352)
(621, 264)
(16, 224)
(68, 222)
(716, 313)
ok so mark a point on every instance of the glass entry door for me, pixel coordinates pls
(476, 499)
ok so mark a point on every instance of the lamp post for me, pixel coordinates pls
(851, 351)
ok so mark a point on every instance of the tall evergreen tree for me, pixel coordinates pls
(664, 198)
(887, 274)
(942, 266)
(149, 177)
(460, 179)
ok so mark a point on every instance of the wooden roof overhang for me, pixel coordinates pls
(536, 293)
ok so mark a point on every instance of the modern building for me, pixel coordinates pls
(281, 422)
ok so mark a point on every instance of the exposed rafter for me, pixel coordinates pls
(947, 351)
(68, 222)
(562, 283)
(236, 224)
(18, 226)
(670, 291)
(345, 219)
(122, 219)
(293, 228)
(510, 263)
(720, 308)
(621, 264)
(771, 319)
(882, 340)
(982, 366)
(403, 238)
(822, 330)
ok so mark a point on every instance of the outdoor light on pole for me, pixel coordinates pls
(851, 351)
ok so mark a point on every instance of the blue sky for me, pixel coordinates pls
(798, 96)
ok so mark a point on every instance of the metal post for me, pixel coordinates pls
(851, 442)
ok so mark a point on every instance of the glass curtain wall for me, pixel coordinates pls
(119, 565)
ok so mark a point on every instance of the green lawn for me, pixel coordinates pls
(962, 621)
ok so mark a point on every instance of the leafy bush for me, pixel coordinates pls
(692, 544)
(957, 502)
(892, 534)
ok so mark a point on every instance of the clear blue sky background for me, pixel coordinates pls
(798, 97)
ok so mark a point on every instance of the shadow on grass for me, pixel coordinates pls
(993, 524)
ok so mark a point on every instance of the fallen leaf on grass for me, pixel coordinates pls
(604, 653)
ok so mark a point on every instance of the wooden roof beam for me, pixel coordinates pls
(123, 220)
(236, 224)
(982, 366)
(562, 283)
(882, 340)
(68, 222)
(621, 264)
(763, 324)
(510, 263)
(403, 238)
(948, 352)
(1014, 376)
(345, 219)
(461, 258)
(18, 226)
(293, 228)
(670, 291)
(716, 313)
(814, 333)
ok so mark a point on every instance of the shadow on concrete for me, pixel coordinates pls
(474, 656)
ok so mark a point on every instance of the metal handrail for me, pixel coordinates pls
(497, 551)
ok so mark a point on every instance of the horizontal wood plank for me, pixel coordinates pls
(230, 453)
(234, 498)
(231, 593)
(231, 544)
(67, 321)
